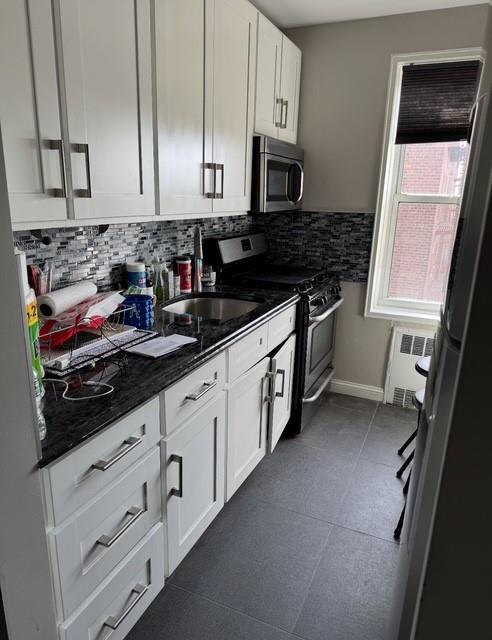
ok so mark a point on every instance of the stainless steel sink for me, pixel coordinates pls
(212, 308)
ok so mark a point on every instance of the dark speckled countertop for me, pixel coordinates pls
(137, 379)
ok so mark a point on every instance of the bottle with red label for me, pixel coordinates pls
(183, 270)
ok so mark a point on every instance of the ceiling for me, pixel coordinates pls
(296, 13)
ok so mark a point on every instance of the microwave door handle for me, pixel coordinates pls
(289, 197)
(326, 314)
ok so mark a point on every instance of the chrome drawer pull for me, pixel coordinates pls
(104, 465)
(280, 394)
(207, 386)
(112, 622)
(108, 541)
(179, 459)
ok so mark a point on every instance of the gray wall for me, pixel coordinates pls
(343, 100)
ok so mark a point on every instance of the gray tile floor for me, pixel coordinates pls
(305, 548)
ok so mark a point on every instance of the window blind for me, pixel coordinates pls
(436, 101)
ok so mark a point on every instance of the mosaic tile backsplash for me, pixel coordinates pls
(339, 241)
(80, 253)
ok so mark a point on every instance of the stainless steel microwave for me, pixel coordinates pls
(278, 175)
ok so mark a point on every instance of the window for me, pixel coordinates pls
(421, 187)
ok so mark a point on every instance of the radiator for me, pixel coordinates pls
(402, 381)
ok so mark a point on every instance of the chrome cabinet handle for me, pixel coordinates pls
(112, 622)
(220, 195)
(108, 541)
(326, 314)
(57, 145)
(284, 125)
(83, 147)
(271, 377)
(207, 386)
(279, 101)
(178, 492)
(280, 394)
(104, 465)
(213, 167)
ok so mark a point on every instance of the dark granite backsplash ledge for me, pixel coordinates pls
(339, 241)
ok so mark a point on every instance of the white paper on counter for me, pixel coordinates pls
(158, 347)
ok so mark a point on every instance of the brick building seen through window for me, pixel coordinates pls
(429, 186)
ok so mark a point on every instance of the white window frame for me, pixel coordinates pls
(378, 304)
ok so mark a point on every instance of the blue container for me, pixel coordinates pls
(141, 313)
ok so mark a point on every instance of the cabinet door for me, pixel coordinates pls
(180, 85)
(195, 461)
(106, 49)
(269, 48)
(281, 380)
(290, 80)
(29, 112)
(247, 421)
(232, 49)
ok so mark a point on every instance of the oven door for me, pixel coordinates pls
(320, 345)
(283, 183)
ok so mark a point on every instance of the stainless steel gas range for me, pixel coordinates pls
(245, 261)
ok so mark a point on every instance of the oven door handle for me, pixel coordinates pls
(326, 314)
(321, 388)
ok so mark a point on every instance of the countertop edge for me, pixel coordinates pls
(45, 463)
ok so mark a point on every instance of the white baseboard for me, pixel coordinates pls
(359, 390)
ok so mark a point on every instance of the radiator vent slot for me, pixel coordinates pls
(403, 397)
(402, 380)
(416, 345)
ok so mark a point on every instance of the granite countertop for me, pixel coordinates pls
(137, 379)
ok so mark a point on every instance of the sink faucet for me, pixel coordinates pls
(197, 284)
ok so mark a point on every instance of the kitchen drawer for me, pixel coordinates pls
(90, 545)
(280, 327)
(86, 471)
(180, 401)
(247, 352)
(114, 608)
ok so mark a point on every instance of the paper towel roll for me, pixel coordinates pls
(56, 302)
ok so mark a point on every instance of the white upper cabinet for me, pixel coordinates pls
(106, 50)
(180, 90)
(29, 112)
(204, 104)
(234, 57)
(290, 82)
(268, 101)
(278, 79)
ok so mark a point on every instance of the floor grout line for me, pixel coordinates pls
(227, 606)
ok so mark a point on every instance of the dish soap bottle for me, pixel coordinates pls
(158, 280)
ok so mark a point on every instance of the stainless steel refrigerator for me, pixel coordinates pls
(439, 570)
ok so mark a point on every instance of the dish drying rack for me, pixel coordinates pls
(87, 345)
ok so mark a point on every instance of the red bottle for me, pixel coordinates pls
(183, 269)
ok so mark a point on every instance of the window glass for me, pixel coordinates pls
(436, 168)
(422, 250)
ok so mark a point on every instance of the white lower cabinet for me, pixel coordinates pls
(120, 600)
(247, 418)
(194, 467)
(280, 394)
(91, 544)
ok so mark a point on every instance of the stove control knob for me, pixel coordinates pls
(318, 302)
